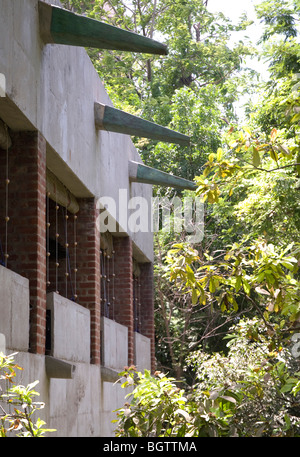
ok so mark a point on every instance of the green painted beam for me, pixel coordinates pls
(142, 173)
(61, 26)
(115, 120)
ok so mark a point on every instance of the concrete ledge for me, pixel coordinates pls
(56, 368)
(109, 375)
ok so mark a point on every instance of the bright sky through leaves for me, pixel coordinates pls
(234, 9)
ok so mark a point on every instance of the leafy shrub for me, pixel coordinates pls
(250, 391)
(19, 422)
(256, 384)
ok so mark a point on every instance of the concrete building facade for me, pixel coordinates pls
(76, 304)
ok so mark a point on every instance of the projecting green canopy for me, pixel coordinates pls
(61, 26)
(139, 172)
(115, 120)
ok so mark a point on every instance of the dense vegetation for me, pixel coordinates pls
(227, 309)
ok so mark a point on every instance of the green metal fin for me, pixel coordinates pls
(115, 120)
(142, 173)
(61, 26)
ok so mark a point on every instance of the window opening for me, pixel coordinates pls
(61, 245)
(136, 296)
(107, 275)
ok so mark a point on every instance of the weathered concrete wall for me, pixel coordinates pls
(85, 404)
(72, 406)
(14, 309)
(112, 398)
(75, 404)
(142, 352)
(70, 329)
(2, 343)
(115, 357)
(114, 344)
(33, 368)
(52, 88)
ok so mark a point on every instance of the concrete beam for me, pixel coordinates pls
(109, 375)
(60, 194)
(115, 120)
(141, 173)
(61, 26)
(56, 368)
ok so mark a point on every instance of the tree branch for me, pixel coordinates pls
(273, 169)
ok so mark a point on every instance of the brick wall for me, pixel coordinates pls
(27, 249)
(26, 225)
(147, 306)
(88, 269)
(123, 307)
(124, 312)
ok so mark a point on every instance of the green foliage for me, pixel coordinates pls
(197, 114)
(281, 51)
(160, 408)
(19, 422)
(197, 42)
(250, 151)
(191, 90)
(157, 407)
(279, 16)
(257, 273)
(250, 391)
(259, 389)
